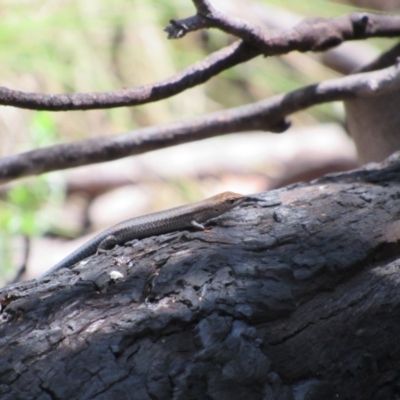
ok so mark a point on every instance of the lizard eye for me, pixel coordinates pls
(231, 201)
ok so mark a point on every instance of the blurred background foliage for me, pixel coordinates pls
(55, 46)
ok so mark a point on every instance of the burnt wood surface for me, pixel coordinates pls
(294, 295)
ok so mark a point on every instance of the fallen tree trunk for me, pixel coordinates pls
(294, 295)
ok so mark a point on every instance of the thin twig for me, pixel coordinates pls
(22, 268)
(196, 74)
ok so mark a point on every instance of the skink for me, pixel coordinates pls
(191, 215)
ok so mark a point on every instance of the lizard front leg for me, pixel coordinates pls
(198, 226)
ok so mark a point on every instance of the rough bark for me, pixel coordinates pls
(292, 296)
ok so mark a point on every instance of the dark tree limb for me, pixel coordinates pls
(269, 114)
(293, 295)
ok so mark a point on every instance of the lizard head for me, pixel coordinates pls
(227, 200)
(217, 205)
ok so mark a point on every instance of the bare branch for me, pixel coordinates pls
(312, 34)
(386, 59)
(265, 115)
(196, 74)
(315, 34)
